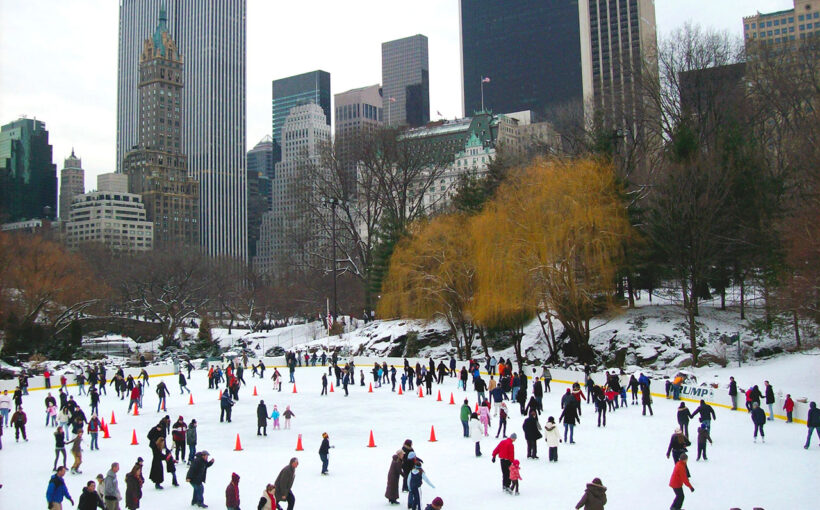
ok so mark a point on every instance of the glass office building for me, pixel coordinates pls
(307, 88)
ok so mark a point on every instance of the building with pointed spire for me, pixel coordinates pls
(157, 169)
(72, 183)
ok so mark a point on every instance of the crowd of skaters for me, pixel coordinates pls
(69, 421)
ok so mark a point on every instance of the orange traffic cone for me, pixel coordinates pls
(113, 420)
(136, 410)
(421, 393)
(476, 407)
(254, 392)
(371, 444)
(452, 401)
(134, 438)
(220, 395)
(331, 387)
(105, 432)
(432, 434)
(163, 405)
(400, 392)
(102, 423)
(191, 400)
(299, 444)
(439, 396)
(294, 388)
(370, 388)
(238, 447)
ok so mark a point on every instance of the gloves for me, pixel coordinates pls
(493, 460)
(692, 489)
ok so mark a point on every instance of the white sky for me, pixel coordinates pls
(58, 58)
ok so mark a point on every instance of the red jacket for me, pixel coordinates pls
(232, 492)
(789, 405)
(679, 478)
(135, 393)
(505, 450)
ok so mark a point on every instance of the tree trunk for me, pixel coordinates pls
(518, 336)
(742, 298)
(484, 344)
(550, 343)
(723, 299)
(630, 290)
(693, 331)
(796, 328)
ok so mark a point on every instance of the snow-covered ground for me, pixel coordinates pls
(628, 455)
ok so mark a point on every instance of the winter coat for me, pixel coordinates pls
(190, 436)
(515, 472)
(261, 415)
(505, 450)
(733, 388)
(133, 490)
(232, 492)
(324, 448)
(594, 497)
(758, 416)
(284, 482)
(57, 490)
(703, 436)
(226, 402)
(769, 394)
(756, 395)
(19, 419)
(465, 412)
(705, 411)
(476, 430)
(788, 405)
(567, 398)
(288, 414)
(179, 429)
(553, 436)
(484, 414)
(393, 474)
(157, 474)
(532, 429)
(677, 442)
(199, 469)
(89, 500)
(266, 502)
(683, 416)
(112, 487)
(679, 476)
(570, 413)
(813, 417)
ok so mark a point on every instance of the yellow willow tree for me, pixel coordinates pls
(503, 290)
(431, 276)
(558, 226)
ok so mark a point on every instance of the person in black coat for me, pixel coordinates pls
(570, 417)
(407, 463)
(812, 422)
(646, 399)
(733, 392)
(324, 450)
(770, 399)
(196, 476)
(707, 414)
(759, 419)
(683, 419)
(532, 433)
(90, 498)
(262, 418)
(538, 393)
(677, 445)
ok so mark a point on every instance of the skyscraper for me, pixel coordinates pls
(312, 87)
(157, 169)
(543, 55)
(28, 178)
(287, 238)
(406, 81)
(260, 173)
(212, 105)
(72, 183)
(358, 112)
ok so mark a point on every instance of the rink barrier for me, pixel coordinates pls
(716, 397)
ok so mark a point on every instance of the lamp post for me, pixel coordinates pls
(332, 203)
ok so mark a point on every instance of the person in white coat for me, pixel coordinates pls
(476, 432)
(553, 438)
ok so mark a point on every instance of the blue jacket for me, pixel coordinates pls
(226, 402)
(813, 418)
(57, 490)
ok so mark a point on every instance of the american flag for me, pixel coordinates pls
(392, 99)
(486, 79)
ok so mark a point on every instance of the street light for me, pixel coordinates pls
(332, 202)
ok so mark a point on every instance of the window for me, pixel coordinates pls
(801, 18)
(777, 22)
(768, 23)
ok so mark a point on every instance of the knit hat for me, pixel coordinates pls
(180, 418)
(513, 436)
(437, 501)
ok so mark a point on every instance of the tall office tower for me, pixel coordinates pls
(260, 173)
(287, 239)
(406, 81)
(72, 183)
(358, 112)
(28, 178)
(546, 55)
(210, 35)
(157, 169)
(783, 26)
(312, 87)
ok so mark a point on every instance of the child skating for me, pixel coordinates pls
(288, 414)
(515, 475)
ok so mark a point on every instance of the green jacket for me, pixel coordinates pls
(465, 412)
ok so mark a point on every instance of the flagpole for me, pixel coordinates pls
(482, 93)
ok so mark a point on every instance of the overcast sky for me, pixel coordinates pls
(58, 58)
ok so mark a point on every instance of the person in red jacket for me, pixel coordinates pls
(678, 480)
(232, 493)
(506, 450)
(788, 406)
(135, 398)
